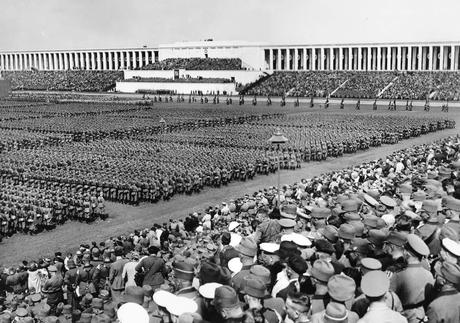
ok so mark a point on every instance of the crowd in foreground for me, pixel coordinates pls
(378, 242)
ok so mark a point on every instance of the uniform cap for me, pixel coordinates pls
(370, 200)
(387, 201)
(341, 287)
(430, 206)
(287, 223)
(452, 246)
(208, 290)
(375, 283)
(298, 239)
(452, 204)
(233, 225)
(346, 232)
(183, 270)
(371, 264)
(349, 205)
(416, 244)
(21, 312)
(181, 305)
(132, 312)
(322, 270)
(330, 232)
(451, 272)
(335, 312)
(161, 297)
(235, 265)
(352, 216)
(269, 247)
(397, 238)
(376, 237)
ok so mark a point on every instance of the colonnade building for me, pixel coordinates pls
(429, 56)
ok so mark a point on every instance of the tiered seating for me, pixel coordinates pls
(196, 64)
(80, 81)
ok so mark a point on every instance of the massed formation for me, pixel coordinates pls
(373, 243)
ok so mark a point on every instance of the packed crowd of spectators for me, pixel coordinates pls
(360, 84)
(377, 242)
(181, 80)
(318, 83)
(196, 64)
(79, 81)
(365, 85)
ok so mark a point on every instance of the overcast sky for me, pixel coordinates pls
(67, 24)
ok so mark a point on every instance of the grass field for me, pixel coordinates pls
(124, 218)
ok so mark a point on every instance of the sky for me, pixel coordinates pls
(82, 24)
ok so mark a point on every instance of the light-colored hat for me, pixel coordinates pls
(162, 297)
(235, 265)
(132, 312)
(181, 305)
(452, 246)
(298, 239)
(269, 247)
(208, 290)
(234, 239)
(233, 225)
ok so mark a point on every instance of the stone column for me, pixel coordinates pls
(304, 58)
(360, 58)
(122, 60)
(296, 62)
(314, 60)
(441, 57)
(321, 59)
(340, 58)
(2, 62)
(134, 59)
(278, 59)
(452, 57)
(115, 61)
(270, 59)
(109, 61)
(455, 55)
(287, 56)
(430, 58)
(97, 60)
(87, 66)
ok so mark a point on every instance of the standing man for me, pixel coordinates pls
(414, 283)
(375, 285)
(53, 289)
(153, 268)
(446, 306)
(117, 284)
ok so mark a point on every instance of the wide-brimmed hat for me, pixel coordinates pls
(322, 270)
(253, 286)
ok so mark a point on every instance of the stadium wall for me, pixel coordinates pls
(177, 87)
(240, 76)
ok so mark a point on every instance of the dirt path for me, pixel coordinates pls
(125, 218)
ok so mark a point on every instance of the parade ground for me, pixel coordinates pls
(124, 219)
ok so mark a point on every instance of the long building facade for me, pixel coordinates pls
(434, 56)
